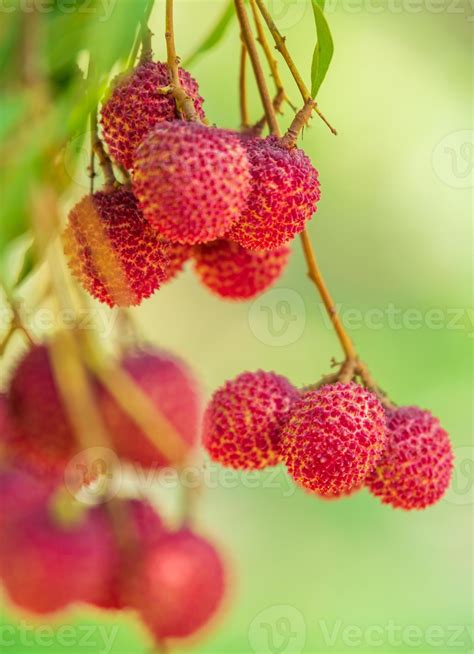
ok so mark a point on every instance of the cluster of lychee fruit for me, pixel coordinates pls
(230, 201)
(56, 550)
(333, 440)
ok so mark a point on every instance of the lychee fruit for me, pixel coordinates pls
(334, 437)
(19, 492)
(192, 181)
(284, 195)
(41, 435)
(172, 389)
(117, 256)
(46, 566)
(179, 586)
(244, 419)
(417, 463)
(136, 105)
(232, 272)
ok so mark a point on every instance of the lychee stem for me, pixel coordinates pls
(244, 112)
(299, 121)
(184, 102)
(280, 44)
(143, 38)
(316, 277)
(249, 41)
(98, 148)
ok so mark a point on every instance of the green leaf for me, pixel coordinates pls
(324, 47)
(214, 36)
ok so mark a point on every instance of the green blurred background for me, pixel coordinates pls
(394, 236)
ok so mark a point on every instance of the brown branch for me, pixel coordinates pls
(143, 39)
(104, 159)
(262, 39)
(248, 39)
(244, 113)
(299, 121)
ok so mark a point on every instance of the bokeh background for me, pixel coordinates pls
(393, 235)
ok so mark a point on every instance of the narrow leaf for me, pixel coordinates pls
(324, 47)
(214, 36)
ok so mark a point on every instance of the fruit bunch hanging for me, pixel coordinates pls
(230, 202)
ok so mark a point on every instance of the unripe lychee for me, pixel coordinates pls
(172, 389)
(180, 585)
(117, 256)
(192, 181)
(416, 466)
(46, 566)
(334, 437)
(284, 195)
(143, 529)
(230, 271)
(244, 419)
(41, 435)
(136, 105)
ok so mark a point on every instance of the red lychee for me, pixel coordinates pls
(115, 253)
(136, 105)
(144, 528)
(334, 437)
(46, 566)
(19, 492)
(230, 271)
(192, 181)
(416, 466)
(284, 195)
(41, 436)
(179, 586)
(244, 419)
(172, 389)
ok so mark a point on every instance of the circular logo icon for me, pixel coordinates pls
(461, 489)
(94, 475)
(278, 630)
(278, 317)
(453, 159)
(287, 13)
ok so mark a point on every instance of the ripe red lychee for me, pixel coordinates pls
(172, 389)
(192, 181)
(115, 253)
(334, 437)
(231, 271)
(144, 528)
(136, 105)
(19, 492)
(284, 195)
(244, 419)
(41, 435)
(180, 585)
(46, 566)
(416, 466)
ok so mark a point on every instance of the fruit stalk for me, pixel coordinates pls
(244, 113)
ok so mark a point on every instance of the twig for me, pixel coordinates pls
(244, 113)
(98, 148)
(299, 121)
(249, 41)
(141, 39)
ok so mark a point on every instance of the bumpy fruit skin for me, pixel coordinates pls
(172, 389)
(284, 195)
(192, 181)
(244, 419)
(19, 492)
(231, 271)
(115, 253)
(136, 105)
(45, 567)
(41, 436)
(180, 585)
(334, 437)
(416, 467)
(145, 529)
